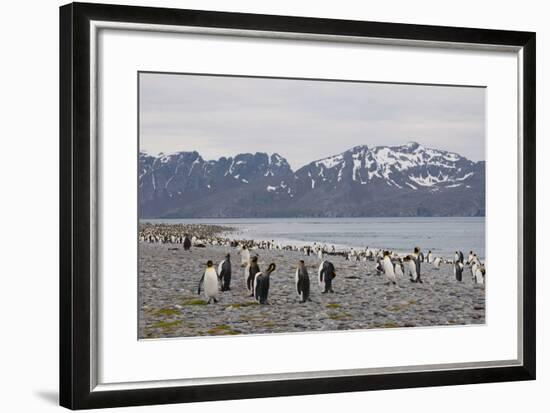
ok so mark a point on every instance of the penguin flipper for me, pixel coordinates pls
(298, 282)
(200, 283)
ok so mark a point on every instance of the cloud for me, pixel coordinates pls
(304, 120)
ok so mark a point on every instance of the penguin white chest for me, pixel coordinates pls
(211, 283)
(388, 268)
(398, 270)
(245, 256)
(320, 277)
(412, 269)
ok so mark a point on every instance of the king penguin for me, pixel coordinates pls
(302, 282)
(250, 272)
(470, 258)
(410, 268)
(245, 256)
(457, 269)
(224, 273)
(186, 243)
(398, 268)
(458, 265)
(388, 269)
(480, 275)
(326, 275)
(261, 284)
(474, 266)
(379, 266)
(210, 280)
(459, 257)
(417, 256)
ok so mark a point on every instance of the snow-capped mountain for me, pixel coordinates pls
(407, 180)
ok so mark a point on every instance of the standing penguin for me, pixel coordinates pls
(224, 272)
(250, 272)
(245, 256)
(302, 282)
(326, 275)
(458, 265)
(417, 255)
(475, 264)
(410, 268)
(479, 275)
(379, 267)
(186, 243)
(261, 284)
(399, 268)
(388, 269)
(457, 269)
(210, 280)
(430, 257)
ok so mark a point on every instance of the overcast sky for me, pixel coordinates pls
(304, 120)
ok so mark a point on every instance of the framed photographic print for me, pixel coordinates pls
(259, 206)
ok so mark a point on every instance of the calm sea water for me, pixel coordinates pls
(441, 235)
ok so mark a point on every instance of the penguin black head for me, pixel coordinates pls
(416, 250)
(228, 256)
(302, 263)
(386, 253)
(271, 267)
(209, 263)
(254, 258)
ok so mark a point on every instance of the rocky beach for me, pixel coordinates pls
(170, 307)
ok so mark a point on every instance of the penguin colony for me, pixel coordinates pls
(393, 266)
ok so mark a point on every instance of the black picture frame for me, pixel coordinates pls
(75, 219)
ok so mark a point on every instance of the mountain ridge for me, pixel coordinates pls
(406, 180)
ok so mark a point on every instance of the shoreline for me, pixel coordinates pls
(219, 234)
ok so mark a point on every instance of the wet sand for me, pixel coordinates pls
(170, 306)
